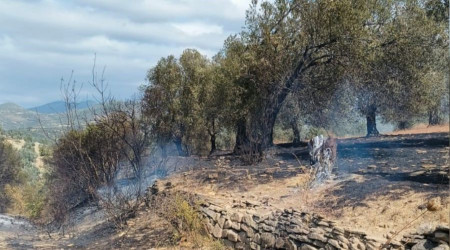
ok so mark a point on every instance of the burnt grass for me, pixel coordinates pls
(418, 158)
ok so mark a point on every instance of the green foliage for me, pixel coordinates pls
(184, 101)
(85, 159)
(10, 166)
(28, 199)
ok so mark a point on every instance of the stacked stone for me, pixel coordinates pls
(288, 229)
(434, 238)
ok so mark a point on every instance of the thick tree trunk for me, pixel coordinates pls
(179, 144)
(241, 136)
(259, 135)
(213, 144)
(433, 117)
(212, 137)
(296, 133)
(402, 125)
(372, 122)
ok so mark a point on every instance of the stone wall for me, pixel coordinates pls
(292, 229)
(245, 227)
(287, 229)
(436, 238)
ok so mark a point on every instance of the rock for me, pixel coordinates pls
(257, 238)
(239, 246)
(342, 239)
(300, 238)
(439, 235)
(242, 236)
(334, 243)
(254, 246)
(209, 227)
(236, 226)
(296, 229)
(267, 240)
(247, 219)
(215, 208)
(232, 236)
(306, 247)
(236, 217)
(319, 243)
(217, 231)
(316, 236)
(213, 215)
(228, 243)
(288, 210)
(267, 228)
(338, 230)
(221, 221)
(248, 230)
(442, 247)
(424, 245)
(224, 233)
(227, 224)
(443, 228)
(322, 223)
(290, 245)
(272, 223)
(279, 242)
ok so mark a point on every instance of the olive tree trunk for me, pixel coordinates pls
(371, 117)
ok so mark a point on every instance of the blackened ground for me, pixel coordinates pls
(419, 158)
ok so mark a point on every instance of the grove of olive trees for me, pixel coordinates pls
(389, 55)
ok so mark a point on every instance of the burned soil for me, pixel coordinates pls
(379, 185)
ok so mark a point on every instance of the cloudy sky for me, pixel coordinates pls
(43, 41)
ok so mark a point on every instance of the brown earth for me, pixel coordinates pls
(380, 185)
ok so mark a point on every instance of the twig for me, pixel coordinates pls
(403, 228)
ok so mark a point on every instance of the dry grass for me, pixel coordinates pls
(17, 144)
(422, 129)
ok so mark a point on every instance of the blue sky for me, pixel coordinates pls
(42, 41)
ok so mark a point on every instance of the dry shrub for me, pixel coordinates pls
(181, 210)
(27, 200)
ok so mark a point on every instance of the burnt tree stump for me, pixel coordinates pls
(322, 152)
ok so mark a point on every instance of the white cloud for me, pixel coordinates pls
(42, 40)
(198, 28)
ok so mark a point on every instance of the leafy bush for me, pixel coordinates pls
(10, 166)
(27, 199)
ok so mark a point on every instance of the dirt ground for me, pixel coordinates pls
(380, 184)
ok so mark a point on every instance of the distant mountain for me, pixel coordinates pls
(11, 107)
(13, 116)
(60, 107)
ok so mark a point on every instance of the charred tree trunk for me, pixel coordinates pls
(212, 135)
(402, 125)
(241, 136)
(179, 144)
(433, 117)
(296, 133)
(372, 122)
(262, 122)
(213, 144)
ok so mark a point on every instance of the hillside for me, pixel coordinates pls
(354, 202)
(49, 116)
(59, 107)
(13, 116)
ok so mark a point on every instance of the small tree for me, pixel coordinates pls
(10, 166)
